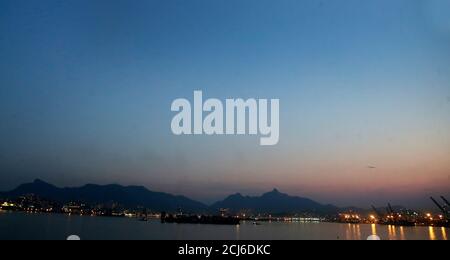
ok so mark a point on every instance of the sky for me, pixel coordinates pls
(86, 88)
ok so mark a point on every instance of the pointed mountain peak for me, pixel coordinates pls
(274, 202)
(274, 193)
(41, 182)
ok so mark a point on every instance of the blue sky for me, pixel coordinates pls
(86, 88)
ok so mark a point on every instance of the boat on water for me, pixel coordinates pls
(7, 208)
(196, 219)
(400, 223)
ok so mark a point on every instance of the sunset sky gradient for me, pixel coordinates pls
(364, 88)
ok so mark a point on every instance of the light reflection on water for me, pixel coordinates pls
(41, 226)
(402, 233)
(432, 234)
(390, 232)
(374, 229)
(358, 232)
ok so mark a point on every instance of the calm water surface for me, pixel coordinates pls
(57, 227)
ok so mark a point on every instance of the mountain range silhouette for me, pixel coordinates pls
(273, 202)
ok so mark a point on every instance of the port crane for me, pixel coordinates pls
(390, 211)
(380, 217)
(377, 212)
(446, 201)
(390, 214)
(397, 218)
(390, 208)
(442, 208)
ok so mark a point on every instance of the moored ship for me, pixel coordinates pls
(196, 219)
